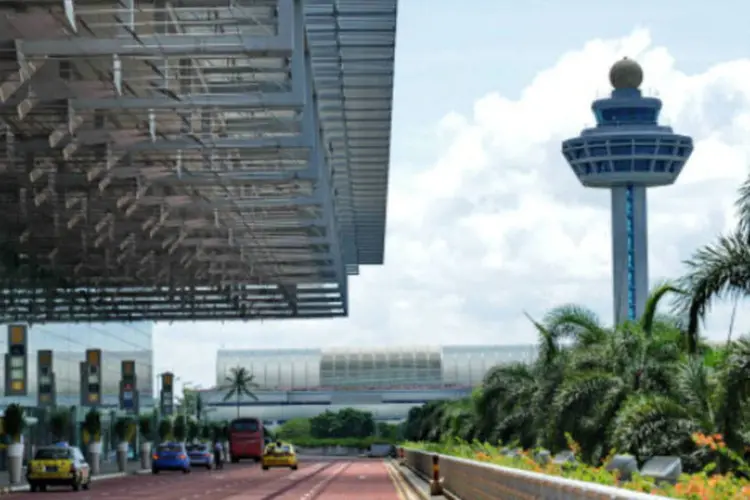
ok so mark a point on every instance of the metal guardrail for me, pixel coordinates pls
(473, 480)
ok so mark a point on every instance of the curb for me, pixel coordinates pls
(416, 488)
(7, 490)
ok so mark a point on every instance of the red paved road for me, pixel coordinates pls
(324, 479)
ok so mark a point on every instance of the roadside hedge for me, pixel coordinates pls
(706, 485)
(358, 443)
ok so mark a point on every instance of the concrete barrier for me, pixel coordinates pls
(473, 480)
(330, 451)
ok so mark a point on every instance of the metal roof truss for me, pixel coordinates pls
(170, 160)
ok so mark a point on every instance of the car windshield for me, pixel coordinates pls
(197, 447)
(52, 454)
(170, 447)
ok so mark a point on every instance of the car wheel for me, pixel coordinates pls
(154, 471)
(208, 467)
(264, 467)
(86, 485)
(33, 487)
(186, 471)
(76, 484)
(235, 460)
(294, 467)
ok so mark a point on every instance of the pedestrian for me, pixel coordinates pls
(218, 454)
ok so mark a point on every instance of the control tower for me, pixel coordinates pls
(626, 152)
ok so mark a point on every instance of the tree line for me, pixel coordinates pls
(645, 387)
(641, 388)
(346, 427)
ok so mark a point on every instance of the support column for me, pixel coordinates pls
(629, 252)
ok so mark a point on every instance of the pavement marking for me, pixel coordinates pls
(325, 481)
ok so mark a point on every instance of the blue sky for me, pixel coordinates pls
(451, 56)
(485, 219)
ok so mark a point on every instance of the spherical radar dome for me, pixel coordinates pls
(626, 74)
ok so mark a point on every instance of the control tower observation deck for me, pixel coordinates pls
(627, 152)
(191, 159)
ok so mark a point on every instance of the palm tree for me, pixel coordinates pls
(240, 382)
(718, 270)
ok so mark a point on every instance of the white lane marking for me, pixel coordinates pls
(325, 481)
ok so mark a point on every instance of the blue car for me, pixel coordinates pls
(200, 455)
(170, 456)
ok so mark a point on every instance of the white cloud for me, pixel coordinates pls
(497, 224)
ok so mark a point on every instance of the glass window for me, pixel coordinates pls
(53, 454)
(173, 447)
(245, 426)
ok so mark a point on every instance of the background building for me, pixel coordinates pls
(385, 381)
(118, 342)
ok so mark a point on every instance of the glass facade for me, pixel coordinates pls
(69, 342)
(467, 365)
(380, 367)
(273, 368)
(287, 369)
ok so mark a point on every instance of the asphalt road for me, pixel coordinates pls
(106, 468)
(334, 479)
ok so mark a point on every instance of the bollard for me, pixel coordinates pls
(401, 458)
(436, 488)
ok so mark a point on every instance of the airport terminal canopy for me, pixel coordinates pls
(191, 159)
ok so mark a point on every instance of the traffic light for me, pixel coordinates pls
(91, 378)
(16, 366)
(167, 393)
(46, 395)
(128, 387)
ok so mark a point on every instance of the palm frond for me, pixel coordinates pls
(652, 304)
(743, 207)
(715, 271)
(229, 394)
(575, 322)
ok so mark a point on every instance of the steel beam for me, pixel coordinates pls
(156, 46)
(175, 316)
(302, 80)
(188, 144)
(230, 101)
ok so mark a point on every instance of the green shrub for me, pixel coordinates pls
(144, 426)
(165, 429)
(59, 424)
(92, 426)
(124, 429)
(358, 443)
(179, 429)
(13, 422)
(704, 485)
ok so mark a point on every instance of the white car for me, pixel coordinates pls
(200, 455)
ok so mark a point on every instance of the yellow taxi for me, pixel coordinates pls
(59, 465)
(279, 455)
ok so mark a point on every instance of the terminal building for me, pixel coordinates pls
(69, 342)
(295, 383)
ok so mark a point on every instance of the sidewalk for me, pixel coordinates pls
(107, 469)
